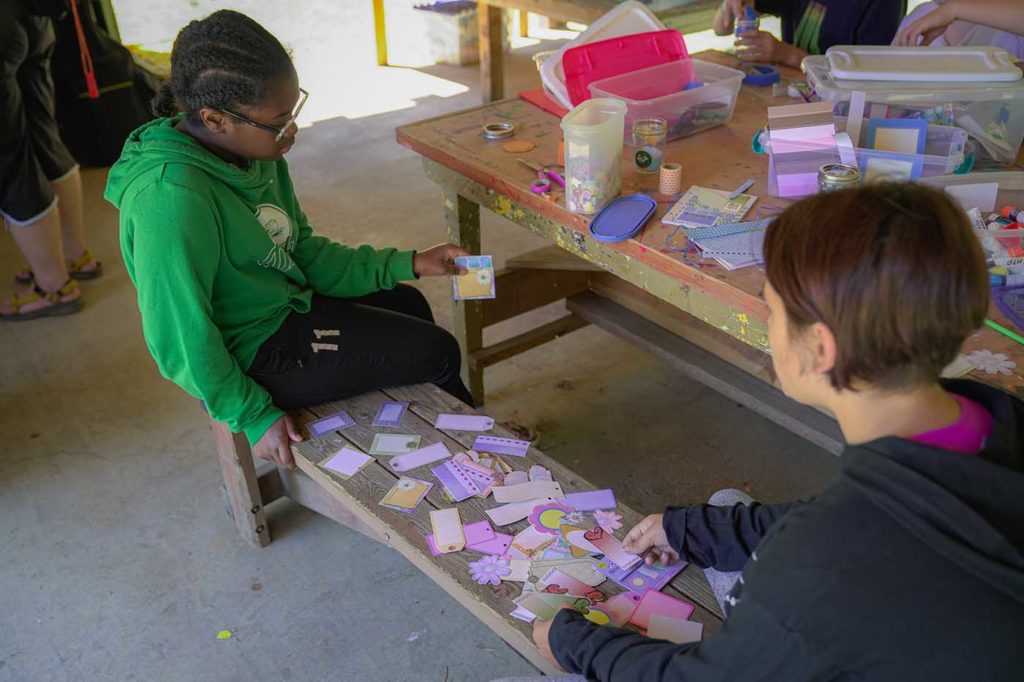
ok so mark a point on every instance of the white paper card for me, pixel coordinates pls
(347, 462)
(526, 491)
(517, 511)
(981, 195)
(673, 629)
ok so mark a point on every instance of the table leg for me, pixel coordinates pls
(462, 217)
(242, 486)
(380, 32)
(524, 24)
(492, 72)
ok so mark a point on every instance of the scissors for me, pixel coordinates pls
(546, 175)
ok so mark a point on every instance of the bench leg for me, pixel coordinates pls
(242, 486)
(462, 217)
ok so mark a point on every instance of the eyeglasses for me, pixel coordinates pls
(278, 131)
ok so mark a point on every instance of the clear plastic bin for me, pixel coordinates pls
(992, 113)
(660, 91)
(593, 154)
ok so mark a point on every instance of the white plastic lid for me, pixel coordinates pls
(922, 64)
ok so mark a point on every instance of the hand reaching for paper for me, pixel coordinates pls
(649, 540)
(438, 260)
(276, 442)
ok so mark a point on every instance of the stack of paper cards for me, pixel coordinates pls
(703, 207)
(405, 494)
(394, 444)
(346, 463)
(478, 282)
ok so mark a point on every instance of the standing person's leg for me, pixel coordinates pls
(82, 264)
(343, 347)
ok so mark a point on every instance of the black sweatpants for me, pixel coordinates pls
(347, 346)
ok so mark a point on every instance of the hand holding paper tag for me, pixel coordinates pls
(648, 539)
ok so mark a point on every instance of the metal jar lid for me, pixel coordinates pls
(838, 175)
(497, 131)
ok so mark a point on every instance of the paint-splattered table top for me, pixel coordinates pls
(719, 158)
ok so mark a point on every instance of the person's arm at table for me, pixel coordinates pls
(1005, 15)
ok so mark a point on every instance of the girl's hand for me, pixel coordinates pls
(763, 47)
(275, 444)
(438, 260)
(726, 16)
(648, 539)
(925, 29)
(541, 632)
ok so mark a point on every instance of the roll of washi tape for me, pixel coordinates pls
(760, 74)
(670, 179)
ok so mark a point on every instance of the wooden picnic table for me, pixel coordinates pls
(640, 274)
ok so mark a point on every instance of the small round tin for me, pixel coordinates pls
(834, 176)
(498, 131)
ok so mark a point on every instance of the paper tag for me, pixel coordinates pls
(475, 533)
(335, 422)
(520, 570)
(560, 582)
(418, 458)
(346, 462)
(502, 446)
(517, 511)
(643, 577)
(456, 481)
(592, 500)
(463, 422)
(394, 444)
(391, 413)
(610, 546)
(448, 532)
(499, 544)
(674, 630)
(406, 494)
(658, 602)
(526, 491)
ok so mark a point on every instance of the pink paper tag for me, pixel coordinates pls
(475, 533)
(659, 602)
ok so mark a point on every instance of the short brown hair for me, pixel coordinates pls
(894, 270)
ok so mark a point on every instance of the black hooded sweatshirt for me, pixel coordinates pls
(910, 566)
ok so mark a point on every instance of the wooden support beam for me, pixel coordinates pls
(492, 70)
(525, 341)
(462, 218)
(524, 24)
(380, 32)
(311, 495)
(243, 489)
(520, 291)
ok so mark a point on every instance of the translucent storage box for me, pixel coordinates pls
(992, 113)
(669, 91)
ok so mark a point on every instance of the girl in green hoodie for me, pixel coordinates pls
(242, 305)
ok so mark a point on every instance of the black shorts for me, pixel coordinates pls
(31, 152)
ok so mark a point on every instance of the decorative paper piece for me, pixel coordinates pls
(892, 168)
(394, 444)
(600, 615)
(499, 544)
(897, 135)
(575, 537)
(463, 422)
(478, 282)
(991, 363)
(529, 542)
(477, 533)
(855, 116)
(658, 602)
(448, 533)
(502, 446)
(611, 547)
(456, 481)
(558, 551)
(405, 494)
(483, 476)
(390, 413)
(608, 520)
(980, 195)
(574, 518)
(519, 570)
(522, 614)
(703, 207)
(644, 577)
(959, 367)
(546, 606)
(346, 462)
(539, 473)
(584, 570)
(621, 606)
(335, 422)
(800, 115)
(418, 458)
(548, 518)
(591, 500)
(674, 630)
(516, 478)
(527, 491)
(489, 570)
(557, 581)
(516, 511)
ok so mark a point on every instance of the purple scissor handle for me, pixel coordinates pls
(546, 176)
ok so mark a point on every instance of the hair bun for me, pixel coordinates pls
(163, 103)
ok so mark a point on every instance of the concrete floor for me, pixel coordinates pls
(118, 560)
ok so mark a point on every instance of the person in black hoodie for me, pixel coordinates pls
(910, 565)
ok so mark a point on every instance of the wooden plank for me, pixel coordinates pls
(462, 218)
(311, 495)
(243, 490)
(525, 341)
(524, 24)
(428, 401)
(581, 11)
(520, 291)
(701, 365)
(380, 32)
(549, 258)
(492, 54)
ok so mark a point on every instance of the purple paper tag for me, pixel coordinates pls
(390, 413)
(501, 446)
(592, 499)
(643, 578)
(335, 422)
(456, 481)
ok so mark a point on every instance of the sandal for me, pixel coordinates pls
(42, 303)
(75, 270)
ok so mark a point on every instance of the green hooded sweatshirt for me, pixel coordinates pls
(220, 256)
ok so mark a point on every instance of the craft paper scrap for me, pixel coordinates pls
(347, 462)
(520, 570)
(539, 473)
(456, 481)
(522, 614)
(549, 517)
(463, 422)
(499, 544)
(674, 630)
(394, 444)
(643, 577)
(502, 446)
(703, 207)
(516, 477)
(526, 491)
(659, 602)
(516, 511)
(575, 537)
(390, 413)
(448, 532)
(405, 494)
(592, 500)
(529, 542)
(479, 532)
(335, 422)
(584, 570)
(478, 282)
(621, 606)
(611, 547)
(545, 606)
(421, 457)
(563, 583)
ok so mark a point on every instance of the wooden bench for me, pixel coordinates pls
(354, 503)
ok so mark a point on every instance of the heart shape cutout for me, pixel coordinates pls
(595, 534)
(555, 589)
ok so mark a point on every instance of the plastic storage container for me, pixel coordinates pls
(992, 113)
(662, 91)
(593, 154)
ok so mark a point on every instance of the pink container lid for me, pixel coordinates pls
(594, 61)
